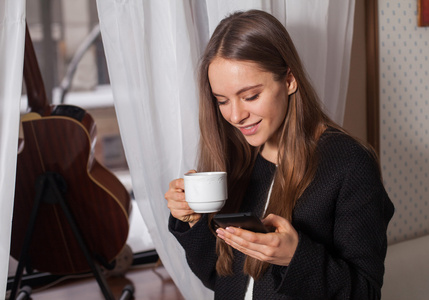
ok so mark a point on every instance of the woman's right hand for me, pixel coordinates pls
(177, 204)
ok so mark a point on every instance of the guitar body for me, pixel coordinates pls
(62, 142)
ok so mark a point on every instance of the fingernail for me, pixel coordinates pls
(230, 229)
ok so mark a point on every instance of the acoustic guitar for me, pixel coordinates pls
(60, 139)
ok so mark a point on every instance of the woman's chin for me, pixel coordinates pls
(252, 141)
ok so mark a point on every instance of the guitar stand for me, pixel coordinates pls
(49, 189)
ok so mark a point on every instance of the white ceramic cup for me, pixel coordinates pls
(206, 192)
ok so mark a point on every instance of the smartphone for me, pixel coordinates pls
(244, 220)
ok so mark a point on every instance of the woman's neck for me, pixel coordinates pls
(270, 153)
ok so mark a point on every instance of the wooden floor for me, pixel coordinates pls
(150, 282)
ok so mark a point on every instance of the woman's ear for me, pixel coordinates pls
(291, 83)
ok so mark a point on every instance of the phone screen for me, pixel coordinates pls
(246, 221)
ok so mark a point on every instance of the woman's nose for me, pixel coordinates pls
(238, 112)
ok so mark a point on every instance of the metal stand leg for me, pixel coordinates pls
(53, 184)
(40, 185)
(48, 188)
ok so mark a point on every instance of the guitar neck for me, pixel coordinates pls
(37, 100)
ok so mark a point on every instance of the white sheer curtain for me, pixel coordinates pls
(152, 50)
(322, 31)
(12, 30)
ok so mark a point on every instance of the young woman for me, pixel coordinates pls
(320, 189)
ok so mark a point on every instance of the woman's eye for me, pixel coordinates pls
(252, 98)
(221, 102)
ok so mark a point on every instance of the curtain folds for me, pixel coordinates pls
(152, 50)
(322, 32)
(151, 55)
(12, 39)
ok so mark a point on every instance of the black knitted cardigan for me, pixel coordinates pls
(341, 219)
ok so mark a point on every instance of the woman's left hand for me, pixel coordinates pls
(275, 247)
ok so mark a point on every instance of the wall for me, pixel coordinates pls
(404, 121)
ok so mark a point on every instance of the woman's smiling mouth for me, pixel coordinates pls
(250, 129)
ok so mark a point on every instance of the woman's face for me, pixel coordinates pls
(251, 100)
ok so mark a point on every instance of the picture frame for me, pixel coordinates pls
(423, 13)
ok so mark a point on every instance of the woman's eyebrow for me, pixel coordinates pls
(240, 91)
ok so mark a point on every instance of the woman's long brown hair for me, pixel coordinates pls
(258, 37)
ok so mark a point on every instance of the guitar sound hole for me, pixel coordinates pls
(71, 111)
